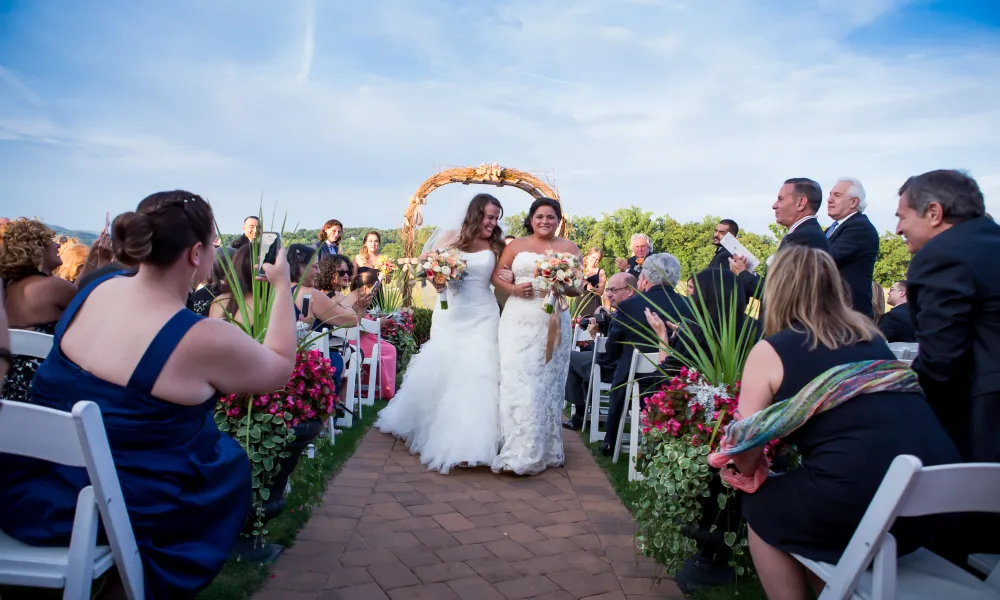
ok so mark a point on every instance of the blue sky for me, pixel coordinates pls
(341, 109)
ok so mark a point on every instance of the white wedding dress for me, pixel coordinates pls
(532, 392)
(446, 407)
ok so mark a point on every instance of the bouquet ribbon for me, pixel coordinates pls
(559, 304)
(828, 390)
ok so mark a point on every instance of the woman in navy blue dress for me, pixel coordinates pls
(156, 370)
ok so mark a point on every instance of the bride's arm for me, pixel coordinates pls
(506, 259)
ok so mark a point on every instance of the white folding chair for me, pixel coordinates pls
(905, 351)
(642, 364)
(30, 343)
(351, 354)
(75, 439)
(322, 343)
(580, 334)
(372, 327)
(911, 490)
(599, 393)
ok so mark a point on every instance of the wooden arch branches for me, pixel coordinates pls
(487, 174)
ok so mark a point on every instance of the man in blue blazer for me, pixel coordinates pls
(853, 241)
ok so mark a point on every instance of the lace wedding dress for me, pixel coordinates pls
(531, 392)
(446, 407)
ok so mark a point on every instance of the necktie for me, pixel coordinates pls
(831, 228)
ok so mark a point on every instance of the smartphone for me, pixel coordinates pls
(376, 287)
(305, 304)
(107, 222)
(270, 241)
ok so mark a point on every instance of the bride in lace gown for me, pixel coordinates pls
(446, 407)
(532, 391)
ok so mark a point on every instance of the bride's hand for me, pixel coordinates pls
(505, 275)
(523, 290)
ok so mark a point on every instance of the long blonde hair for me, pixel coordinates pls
(878, 301)
(73, 255)
(804, 289)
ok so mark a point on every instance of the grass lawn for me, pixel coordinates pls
(747, 588)
(238, 580)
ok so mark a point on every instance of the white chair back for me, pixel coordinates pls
(597, 390)
(580, 334)
(904, 350)
(74, 439)
(643, 363)
(908, 490)
(372, 327)
(30, 343)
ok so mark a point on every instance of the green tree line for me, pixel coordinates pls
(690, 242)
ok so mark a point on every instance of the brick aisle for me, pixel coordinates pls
(391, 529)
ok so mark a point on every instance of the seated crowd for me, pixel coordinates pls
(173, 353)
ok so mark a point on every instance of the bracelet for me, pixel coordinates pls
(7, 357)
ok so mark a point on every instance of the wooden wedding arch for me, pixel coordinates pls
(486, 174)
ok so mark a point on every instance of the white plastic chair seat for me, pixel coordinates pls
(37, 566)
(984, 563)
(921, 574)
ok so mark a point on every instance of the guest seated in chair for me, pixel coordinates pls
(864, 415)
(362, 287)
(34, 299)
(156, 370)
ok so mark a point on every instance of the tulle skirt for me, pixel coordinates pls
(446, 409)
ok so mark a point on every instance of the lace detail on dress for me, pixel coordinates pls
(531, 392)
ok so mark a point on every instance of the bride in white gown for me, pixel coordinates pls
(446, 407)
(532, 391)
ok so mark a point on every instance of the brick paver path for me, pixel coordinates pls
(391, 529)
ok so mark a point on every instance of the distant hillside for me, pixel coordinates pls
(85, 237)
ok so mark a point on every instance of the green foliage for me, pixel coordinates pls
(514, 224)
(893, 260)
(390, 296)
(422, 324)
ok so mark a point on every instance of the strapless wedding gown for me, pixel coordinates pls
(446, 407)
(531, 392)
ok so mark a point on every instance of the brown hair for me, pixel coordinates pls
(803, 289)
(878, 301)
(243, 265)
(322, 230)
(591, 251)
(364, 278)
(163, 226)
(364, 242)
(22, 247)
(328, 268)
(474, 218)
(73, 256)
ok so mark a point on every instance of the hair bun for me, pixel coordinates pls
(132, 236)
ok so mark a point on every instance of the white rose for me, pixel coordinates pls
(437, 268)
(446, 270)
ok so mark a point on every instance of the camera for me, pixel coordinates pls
(599, 318)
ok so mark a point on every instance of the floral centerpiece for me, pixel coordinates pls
(440, 267)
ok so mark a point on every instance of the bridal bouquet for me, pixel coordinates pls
(385, 266)
(555, 272)
(440, 267)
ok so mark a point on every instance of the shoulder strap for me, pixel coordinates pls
(78, 300)
(151, 364)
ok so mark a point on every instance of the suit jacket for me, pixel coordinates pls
(854, 246)
(809, 234)
(631, 315)
(721, 259)
(323, 250)
(634, 268)
(897, 326)
(239, 242)
(953, 291)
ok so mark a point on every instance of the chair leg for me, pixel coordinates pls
(633, 438)
(621, 424)
(83, 541)
(595, 410)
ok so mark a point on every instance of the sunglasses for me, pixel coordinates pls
(343, 272)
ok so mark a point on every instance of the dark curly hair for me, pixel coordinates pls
(553, 204)
(328, 268)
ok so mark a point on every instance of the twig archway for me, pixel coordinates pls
(486, 174)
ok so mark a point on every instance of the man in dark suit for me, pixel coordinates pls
(953, 287)
(641, 247)
(722, 256)
(799, 200)
(853, 241)
(620, 287)
(251, 226)
(656, 284)
(896, 325)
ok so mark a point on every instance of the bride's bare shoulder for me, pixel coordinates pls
(565, 245)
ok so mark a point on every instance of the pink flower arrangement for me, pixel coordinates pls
(395, 326)
(308, 395)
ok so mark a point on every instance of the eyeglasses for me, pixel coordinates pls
(615, 290)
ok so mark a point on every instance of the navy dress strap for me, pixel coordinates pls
(148, 370)
(79, 299)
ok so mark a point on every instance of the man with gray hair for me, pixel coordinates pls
(641, 246)
(660, 273)
(853, 241)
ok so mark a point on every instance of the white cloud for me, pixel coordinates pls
(686, 108)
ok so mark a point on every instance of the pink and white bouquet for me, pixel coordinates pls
(556, 272)
(440, 267)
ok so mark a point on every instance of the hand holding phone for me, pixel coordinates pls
(306, 299)
(270, 241)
